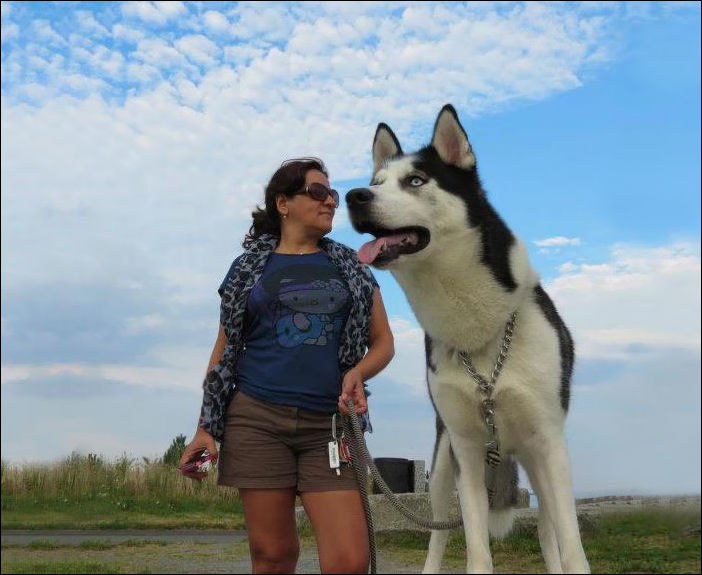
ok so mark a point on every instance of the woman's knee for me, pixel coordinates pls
(274, 557)
(347, 561)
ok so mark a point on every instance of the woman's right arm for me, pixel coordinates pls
(203, 438)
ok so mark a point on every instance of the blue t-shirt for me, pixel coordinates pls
(295, 315)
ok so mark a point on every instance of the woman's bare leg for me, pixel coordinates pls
(340, 529)
(271, 527)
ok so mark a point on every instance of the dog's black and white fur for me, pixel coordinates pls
(464, 273)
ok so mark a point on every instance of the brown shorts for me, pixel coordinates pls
(269, 446)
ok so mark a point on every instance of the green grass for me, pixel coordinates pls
(647, 542)
(137, 513)
(655, 541)
(90, 493)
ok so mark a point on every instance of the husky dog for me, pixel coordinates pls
(465, 274)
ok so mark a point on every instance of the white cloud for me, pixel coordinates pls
(332, 77)
(82, 83)
(153, 12)
(215, 21)
(35, 92)
(43, 30)
(142, 73)
(242, 53)
(264, 23)
(644, 297)
(105, 61)
(170, 8)
(6, 9)
(198, 49)
(127, 33)
(152, 377)
(159, 53)
(87, 22)
(557, 241)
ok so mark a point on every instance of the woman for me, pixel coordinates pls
(298, 313)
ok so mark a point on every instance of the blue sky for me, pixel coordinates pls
(136, 138)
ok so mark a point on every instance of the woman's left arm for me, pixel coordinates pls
(381, 350)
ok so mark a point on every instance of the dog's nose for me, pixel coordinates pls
(359, 196)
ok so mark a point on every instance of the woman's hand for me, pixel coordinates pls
(202, 440)
(352, 388)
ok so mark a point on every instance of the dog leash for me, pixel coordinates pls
(362, 461)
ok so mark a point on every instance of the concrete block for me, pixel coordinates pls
(420, 476)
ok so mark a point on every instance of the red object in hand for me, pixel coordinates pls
(200, 463)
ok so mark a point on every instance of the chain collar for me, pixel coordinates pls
(492, 448)
(486, 387)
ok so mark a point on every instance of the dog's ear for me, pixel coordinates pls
(385, 145)
(450, 140)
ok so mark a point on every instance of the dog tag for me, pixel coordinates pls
(333, 448)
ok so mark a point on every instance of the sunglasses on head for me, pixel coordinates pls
(320, 192)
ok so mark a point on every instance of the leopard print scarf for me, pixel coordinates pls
(220, 382)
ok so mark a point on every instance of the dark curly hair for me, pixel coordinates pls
(287, 179)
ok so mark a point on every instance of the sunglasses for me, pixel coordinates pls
(320, 192)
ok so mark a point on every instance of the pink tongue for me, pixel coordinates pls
(369, 251)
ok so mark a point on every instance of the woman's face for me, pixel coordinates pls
(302, 210)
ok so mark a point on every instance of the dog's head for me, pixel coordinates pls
(416, 202)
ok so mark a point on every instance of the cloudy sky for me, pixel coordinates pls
(137, 136)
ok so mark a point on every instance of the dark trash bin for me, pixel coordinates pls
(397, 472)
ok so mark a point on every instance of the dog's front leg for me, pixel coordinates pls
(472, 494)
(550, 467)
(440, 491)
(546, 527)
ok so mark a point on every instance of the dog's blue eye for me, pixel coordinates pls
(416, 181)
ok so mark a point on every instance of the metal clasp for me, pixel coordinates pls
(333, 426)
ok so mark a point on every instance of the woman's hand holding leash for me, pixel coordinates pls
(352, 388)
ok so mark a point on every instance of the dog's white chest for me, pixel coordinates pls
(455, 393)
(523, 396)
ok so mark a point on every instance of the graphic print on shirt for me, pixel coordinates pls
(307, 304)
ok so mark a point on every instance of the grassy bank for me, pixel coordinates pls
(87, 492)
